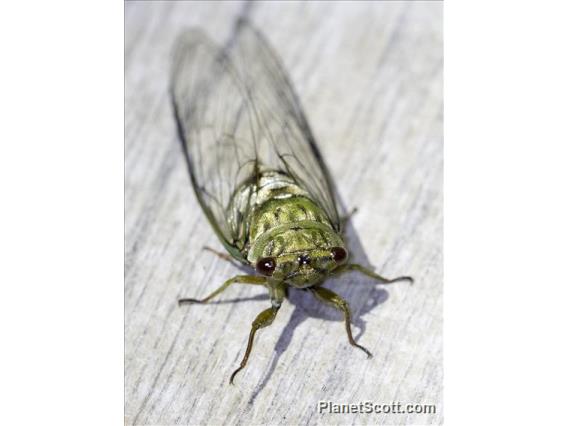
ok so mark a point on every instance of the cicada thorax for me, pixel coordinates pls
(278, 223)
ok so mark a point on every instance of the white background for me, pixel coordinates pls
(61, 220)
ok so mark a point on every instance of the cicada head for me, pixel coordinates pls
(305, 268)
(292, 239)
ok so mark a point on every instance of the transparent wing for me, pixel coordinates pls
(237, 116)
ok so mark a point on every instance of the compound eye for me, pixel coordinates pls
(266, 266)
(339, 254)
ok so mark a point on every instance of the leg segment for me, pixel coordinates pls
(239, 279)
(370, 273)
(264, 319)
(223, 256)
(329, 297)
(344, 219)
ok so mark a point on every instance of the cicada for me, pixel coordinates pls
(257, 172)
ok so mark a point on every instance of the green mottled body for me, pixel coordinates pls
(280, 220)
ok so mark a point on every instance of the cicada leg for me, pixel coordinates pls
(239, 279)
(329, 297)
(371, 273)
(223, 256)
(344, 219)
(264, 319)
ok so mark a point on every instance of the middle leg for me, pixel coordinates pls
(370, 273)
(239, 279)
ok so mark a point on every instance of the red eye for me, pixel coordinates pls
(266, 266)
(339, 254)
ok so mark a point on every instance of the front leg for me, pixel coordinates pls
(329, 297)
(277, 292)
(264, 319)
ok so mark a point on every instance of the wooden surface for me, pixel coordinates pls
(369, 76)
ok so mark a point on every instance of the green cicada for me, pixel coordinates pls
(257, 172)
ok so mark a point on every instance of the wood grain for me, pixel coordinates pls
(369, 76)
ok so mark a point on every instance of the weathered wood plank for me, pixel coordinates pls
(370, 79)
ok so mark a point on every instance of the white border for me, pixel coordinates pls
(61, 177)
(506, 143)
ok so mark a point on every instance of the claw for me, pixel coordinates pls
(231, 380)
(410, 279)
(188, 301)
(364, 349)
